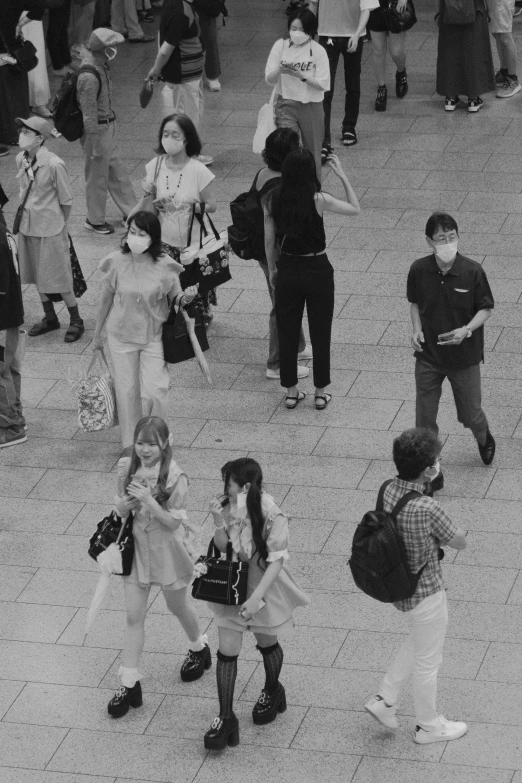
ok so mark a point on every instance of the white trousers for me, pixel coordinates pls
(140, 373)
(185, 98)
(420, 656)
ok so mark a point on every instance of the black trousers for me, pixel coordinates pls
(304, 280)
(57, 38)
(352, 82)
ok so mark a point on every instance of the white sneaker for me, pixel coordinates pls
(206, 160)
(385, 714)
(306, 353)
(445, 731)
(302, 372)
(214, 85)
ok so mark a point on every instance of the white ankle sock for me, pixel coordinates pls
(199, 644)
(129, 677)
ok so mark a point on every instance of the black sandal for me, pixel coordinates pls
(326, 399)
(293, 402)
(74, 332)
(44, 326)
(326, 150)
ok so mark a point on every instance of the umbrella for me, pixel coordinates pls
(197, 348)
(109, 562)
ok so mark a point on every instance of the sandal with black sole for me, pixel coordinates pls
(74, 332)
(326, 150)
(43, 326)
(293, 402)
(326, 399)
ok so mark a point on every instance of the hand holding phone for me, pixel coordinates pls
(444, 339)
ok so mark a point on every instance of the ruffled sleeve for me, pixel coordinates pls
(276, 526)
(110, 275)
(177, 508)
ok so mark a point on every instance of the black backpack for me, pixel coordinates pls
(246, 235)
(67, 114)
(379, 563)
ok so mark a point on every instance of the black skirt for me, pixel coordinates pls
(464, 59)
(14, 102)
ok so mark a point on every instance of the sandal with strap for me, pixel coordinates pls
(322, 400)
(44, 326)
(326, 150)
(74, 332)
(293, 402)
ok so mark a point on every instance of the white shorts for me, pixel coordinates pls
(501, 15)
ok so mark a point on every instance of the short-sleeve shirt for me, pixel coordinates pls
(176, 192)
(140, 289)
(340, 18)
(43, 215)
(423, 526)
(310, 58)
(179, 28)
(446, 302)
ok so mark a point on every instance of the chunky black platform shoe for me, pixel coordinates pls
(195, 664)
(222, 732)
(268, 705)
(123, 699)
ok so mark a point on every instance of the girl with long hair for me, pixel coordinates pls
(304, 275)
(153, 486)
(257, 529)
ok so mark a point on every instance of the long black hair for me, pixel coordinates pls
(247, 471)
(292, 204)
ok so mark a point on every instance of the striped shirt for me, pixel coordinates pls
(179, 28)
(423, 526)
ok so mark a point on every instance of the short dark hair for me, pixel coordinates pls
(414, 451)
(308, 20)
(146, 221)
(193, 146)
(277, 146)
(442, 221)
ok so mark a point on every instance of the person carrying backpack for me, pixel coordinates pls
(423, 526)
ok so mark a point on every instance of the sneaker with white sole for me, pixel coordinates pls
(474, 104)
(445, 731)
(274, 375)
(305, 354)
(451, 102)
(384, 713)
(214, 85)
(12, 437)
(509, 88)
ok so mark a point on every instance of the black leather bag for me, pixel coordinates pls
(79, 284)
(177, 345)
(24, 53)
(398, 21)
(225, 581)
(114, 530)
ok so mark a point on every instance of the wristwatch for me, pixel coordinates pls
(469, 332)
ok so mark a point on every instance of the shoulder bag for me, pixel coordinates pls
(177, 345)
(398, 21)
(114, 530)
(220, 581)
(206, 263)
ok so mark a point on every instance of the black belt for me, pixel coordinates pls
(106, 122)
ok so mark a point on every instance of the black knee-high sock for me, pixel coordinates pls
(74, 314)
(226, 671)
(273, 661)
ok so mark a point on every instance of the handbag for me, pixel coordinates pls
(24, 53)
(146, 93)
(114, 530)
(220, 581)
(265, 124)
(96, 397)
(177, 345)
(206, 263)
(398, 21)
(79, 284)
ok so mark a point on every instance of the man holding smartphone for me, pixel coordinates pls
(450, 302)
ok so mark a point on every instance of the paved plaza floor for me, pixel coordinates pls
(323, 467)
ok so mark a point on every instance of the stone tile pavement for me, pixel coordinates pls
(323, 467)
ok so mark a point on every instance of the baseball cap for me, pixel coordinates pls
(36, 124)
(103, 37)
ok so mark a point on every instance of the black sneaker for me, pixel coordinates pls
(100, 228)
(382, 98)
(401, 83)
(268, 705)
(195, 664)
(474, 104)
(487, 451)
(123, 699)
(4, 150)
(222, 732)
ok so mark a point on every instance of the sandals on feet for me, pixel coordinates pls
(74, 332)
(293, 402)
(322, 400)
(326, 150)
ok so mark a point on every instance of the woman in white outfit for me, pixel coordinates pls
(39, 90)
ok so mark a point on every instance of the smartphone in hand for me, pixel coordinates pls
(444, 338)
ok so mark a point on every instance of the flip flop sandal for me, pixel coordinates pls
(320, 406)
(326, 150)
(293, 402)
(74, 332)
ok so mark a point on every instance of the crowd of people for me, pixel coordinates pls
(449, 295)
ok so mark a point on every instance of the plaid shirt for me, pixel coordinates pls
(424, 526)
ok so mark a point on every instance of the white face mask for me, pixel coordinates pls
(432, 473)
(138, 244)
(173, 146)
(298, 37)
(447, 252)
(27, 142)
(110, 53)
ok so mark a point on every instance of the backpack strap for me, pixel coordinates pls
(91, 69)
(403, 501)
(254, 183)
(380, 496)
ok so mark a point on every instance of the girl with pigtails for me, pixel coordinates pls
(250, 520)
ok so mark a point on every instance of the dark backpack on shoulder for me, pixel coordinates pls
(67, 114)
(246, 235)
(379, 563)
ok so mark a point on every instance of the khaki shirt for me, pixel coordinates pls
(51, 189)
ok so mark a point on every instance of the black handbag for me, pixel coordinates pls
(24, 53)
(177, 345)
(79, 284)
(114, 530)
(398, 21)
(209, 268)
(225, 581)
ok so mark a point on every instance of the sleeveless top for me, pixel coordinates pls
(313, 241)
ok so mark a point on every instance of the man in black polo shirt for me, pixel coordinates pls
(450, 302)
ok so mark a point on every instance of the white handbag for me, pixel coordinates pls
(96, 397)
(265, 124)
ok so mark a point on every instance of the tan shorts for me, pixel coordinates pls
(501, 15)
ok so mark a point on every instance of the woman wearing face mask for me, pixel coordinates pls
(177, 181)
(298, 69)
(138, 279)
(43, 241)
